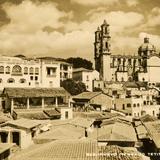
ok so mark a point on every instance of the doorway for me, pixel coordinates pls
(4, 137)
(16, 138)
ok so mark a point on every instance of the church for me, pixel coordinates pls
(144, 67)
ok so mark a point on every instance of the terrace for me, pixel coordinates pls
(29, 98)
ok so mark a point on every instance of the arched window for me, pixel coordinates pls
(1, 80)
(31, 70)
(7, 70)
(11, 80)
(25, 70)
(1, 69)
(144, 102)
(22, 80)
(37, 71)
(138, 104)
(16, 70)
(134, 105)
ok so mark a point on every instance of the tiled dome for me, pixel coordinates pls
(146, 46)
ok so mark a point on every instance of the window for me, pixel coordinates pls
(65, 67)
(138, 104)
(37, 71)
(36, 78)
(144, 102)
(65, 75)
(138, 114)
(25, 70)
(51, 71)
(66, 114)
(11, 80)
(153, 113)
(22, 80)
(128, 105)
(7, 70)
(1, 69)
(16, 70)
(134, 105)
(1, 80)
(31, 77)
(123, 106)
(31, 71)
(122, 79)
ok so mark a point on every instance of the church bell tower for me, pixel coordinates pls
(102, 51)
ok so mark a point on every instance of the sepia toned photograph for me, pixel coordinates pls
(79, 79)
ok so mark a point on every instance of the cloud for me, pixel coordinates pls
(29, 21)
(94, 2)
(154, 17)
(120, 21)
(132, 3)
(25, 35)
(30, 17)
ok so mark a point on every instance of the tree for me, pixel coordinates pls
(73, 87)
(78, 62)
(20, 56)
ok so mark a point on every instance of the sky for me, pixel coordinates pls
(65, 28)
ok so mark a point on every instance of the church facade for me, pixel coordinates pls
(145, 66)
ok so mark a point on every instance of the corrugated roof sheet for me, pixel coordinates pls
(35, 92)
(23, 123)
(77, 150)
(117, 132)
(52, 112)
(82, 122)
(86, 95)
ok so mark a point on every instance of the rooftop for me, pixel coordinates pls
(22, 123)
(71, 150)
(82, 70)
(111, 132)
(36, 92)
(153, 129)
(86, 95)
(82, 122)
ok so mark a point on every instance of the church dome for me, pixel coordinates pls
(147, 46)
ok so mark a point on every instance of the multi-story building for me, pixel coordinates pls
(20, 72)
(65, 70)
(86, 76)
(39, 72)
(142, 67)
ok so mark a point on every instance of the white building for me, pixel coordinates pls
(22, 72)
(86, 76)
